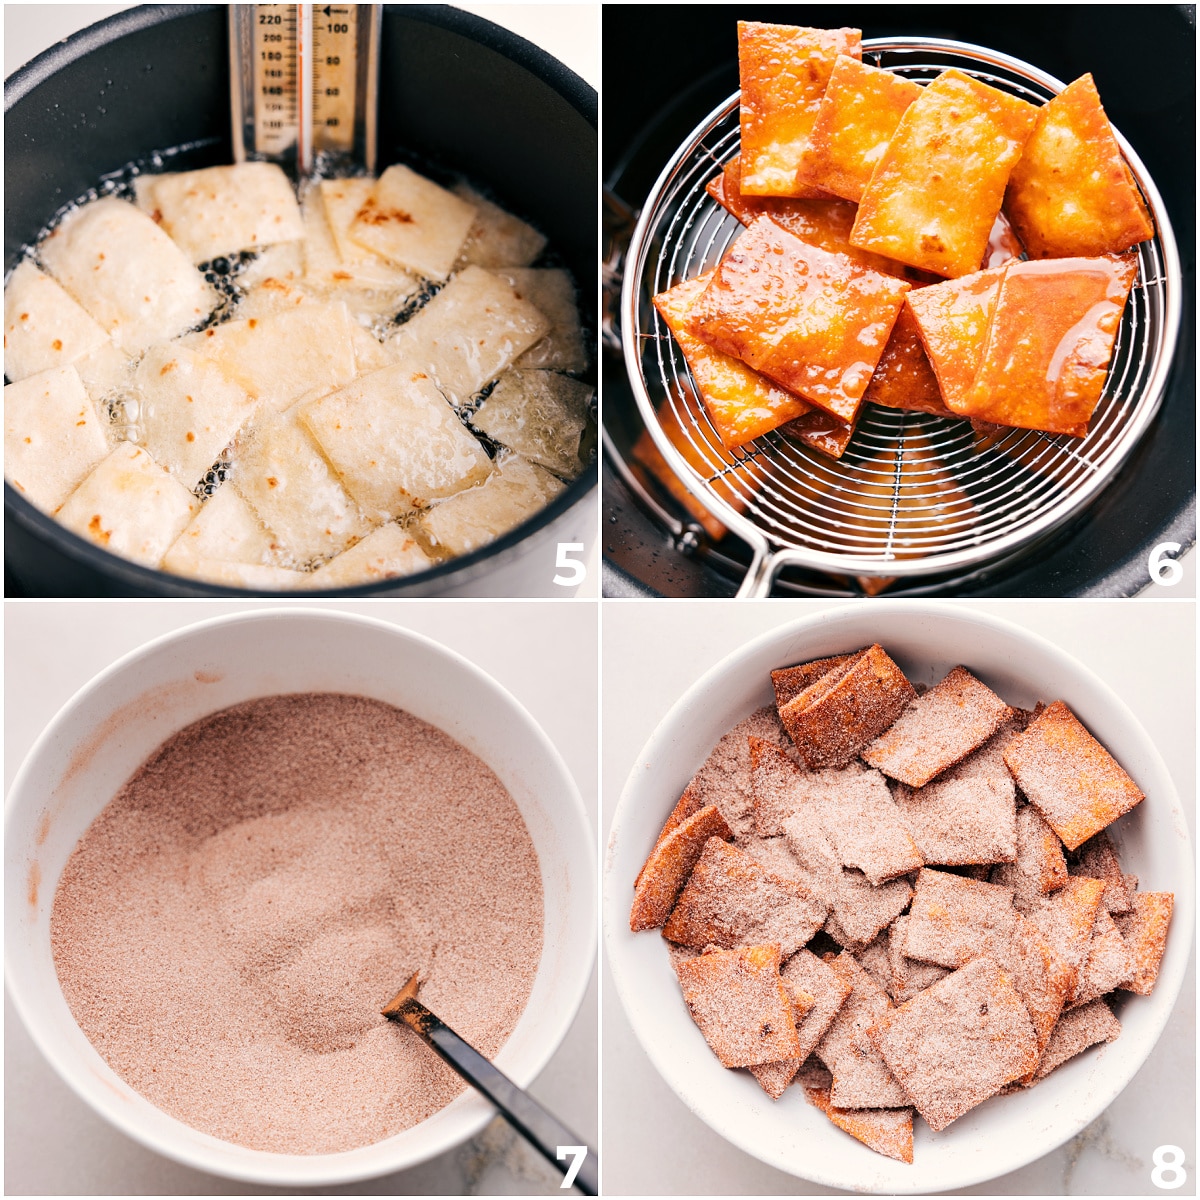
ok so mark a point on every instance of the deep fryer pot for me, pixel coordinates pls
(1143, 59)
(455, 90)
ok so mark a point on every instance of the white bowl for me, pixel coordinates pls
(1006, 1132)
(110, 727)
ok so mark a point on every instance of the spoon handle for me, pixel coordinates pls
(542, 1130)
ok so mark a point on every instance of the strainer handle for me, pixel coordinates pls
(760, 575)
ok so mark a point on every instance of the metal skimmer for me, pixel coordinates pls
(913, 495)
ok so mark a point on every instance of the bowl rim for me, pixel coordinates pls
(615, 904)
(268, 1167)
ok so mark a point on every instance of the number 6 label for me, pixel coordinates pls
(1164, 570)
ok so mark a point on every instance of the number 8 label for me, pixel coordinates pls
(1168, 1172)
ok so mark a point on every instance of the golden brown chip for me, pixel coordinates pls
(904, 377)
(1145, 933)
(1097, 859)
(952, 320)
(669, 865)
(1075, 1032)
(934, 196)
(858, 114)
(1050, 342)
(783, 70)
(1071, 193)
(826, 223)
(1076, 784)
(812, 321)
(954, 920)
(741, 403)
(833, 718)
(1066, 920)
(738, 1000)
(885, 1130)
(689, 803)
(1039, 868)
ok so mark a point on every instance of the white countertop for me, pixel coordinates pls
(653, 651)
(54, 1143)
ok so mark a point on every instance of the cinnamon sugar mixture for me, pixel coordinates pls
(228, 928)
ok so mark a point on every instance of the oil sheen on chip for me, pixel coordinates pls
(304, 82)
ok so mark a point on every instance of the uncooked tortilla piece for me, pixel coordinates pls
(224, 210)
(224, 530)
(395, 442)
(934, 196)
(470, 332)
(293, 490)
(410, 221)
(280, 358)
(387, 553)
(539, 414)
(190, 410)
(1071, 193)
(127, 273)
(331, 259)
(53, 437)
(513, 493)
(783, 70)
(496, 238)
(130, 506)
(43, 327)
(812, 321)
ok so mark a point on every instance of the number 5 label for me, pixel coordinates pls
(575, 570)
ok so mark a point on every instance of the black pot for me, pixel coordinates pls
(1143, 60)
(456, 90)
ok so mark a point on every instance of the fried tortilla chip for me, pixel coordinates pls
(958, 1042)
(1066, 920)
(934, 195)
(833, 718)
(783, 70)
(740, 1004)
(731, 900)
(858, 114)
(952, 320)
(1109, 963)
(741, 404)
(670, 863)
(1039, 867)
(1097, 859)
(825, 223)
(1072, 194)
(938, 729)
(812, 321)
(1076, 784)
(885, 1130)
(954, 920)
(789, 682)
(1145, 933)
(1049, 344)
(904, 377)
(1075, 1032)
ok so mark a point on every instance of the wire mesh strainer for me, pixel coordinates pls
(913, 495)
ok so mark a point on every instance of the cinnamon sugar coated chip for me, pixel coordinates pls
(738, 1000)
(1145, 932)
(954, 920)
(835, 717)
(1075, 1032)
(1077, 785)
(887, 1131)
(938, 729)
(959, 1042)
(730, 900)
(669, 865)
(891, 945)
